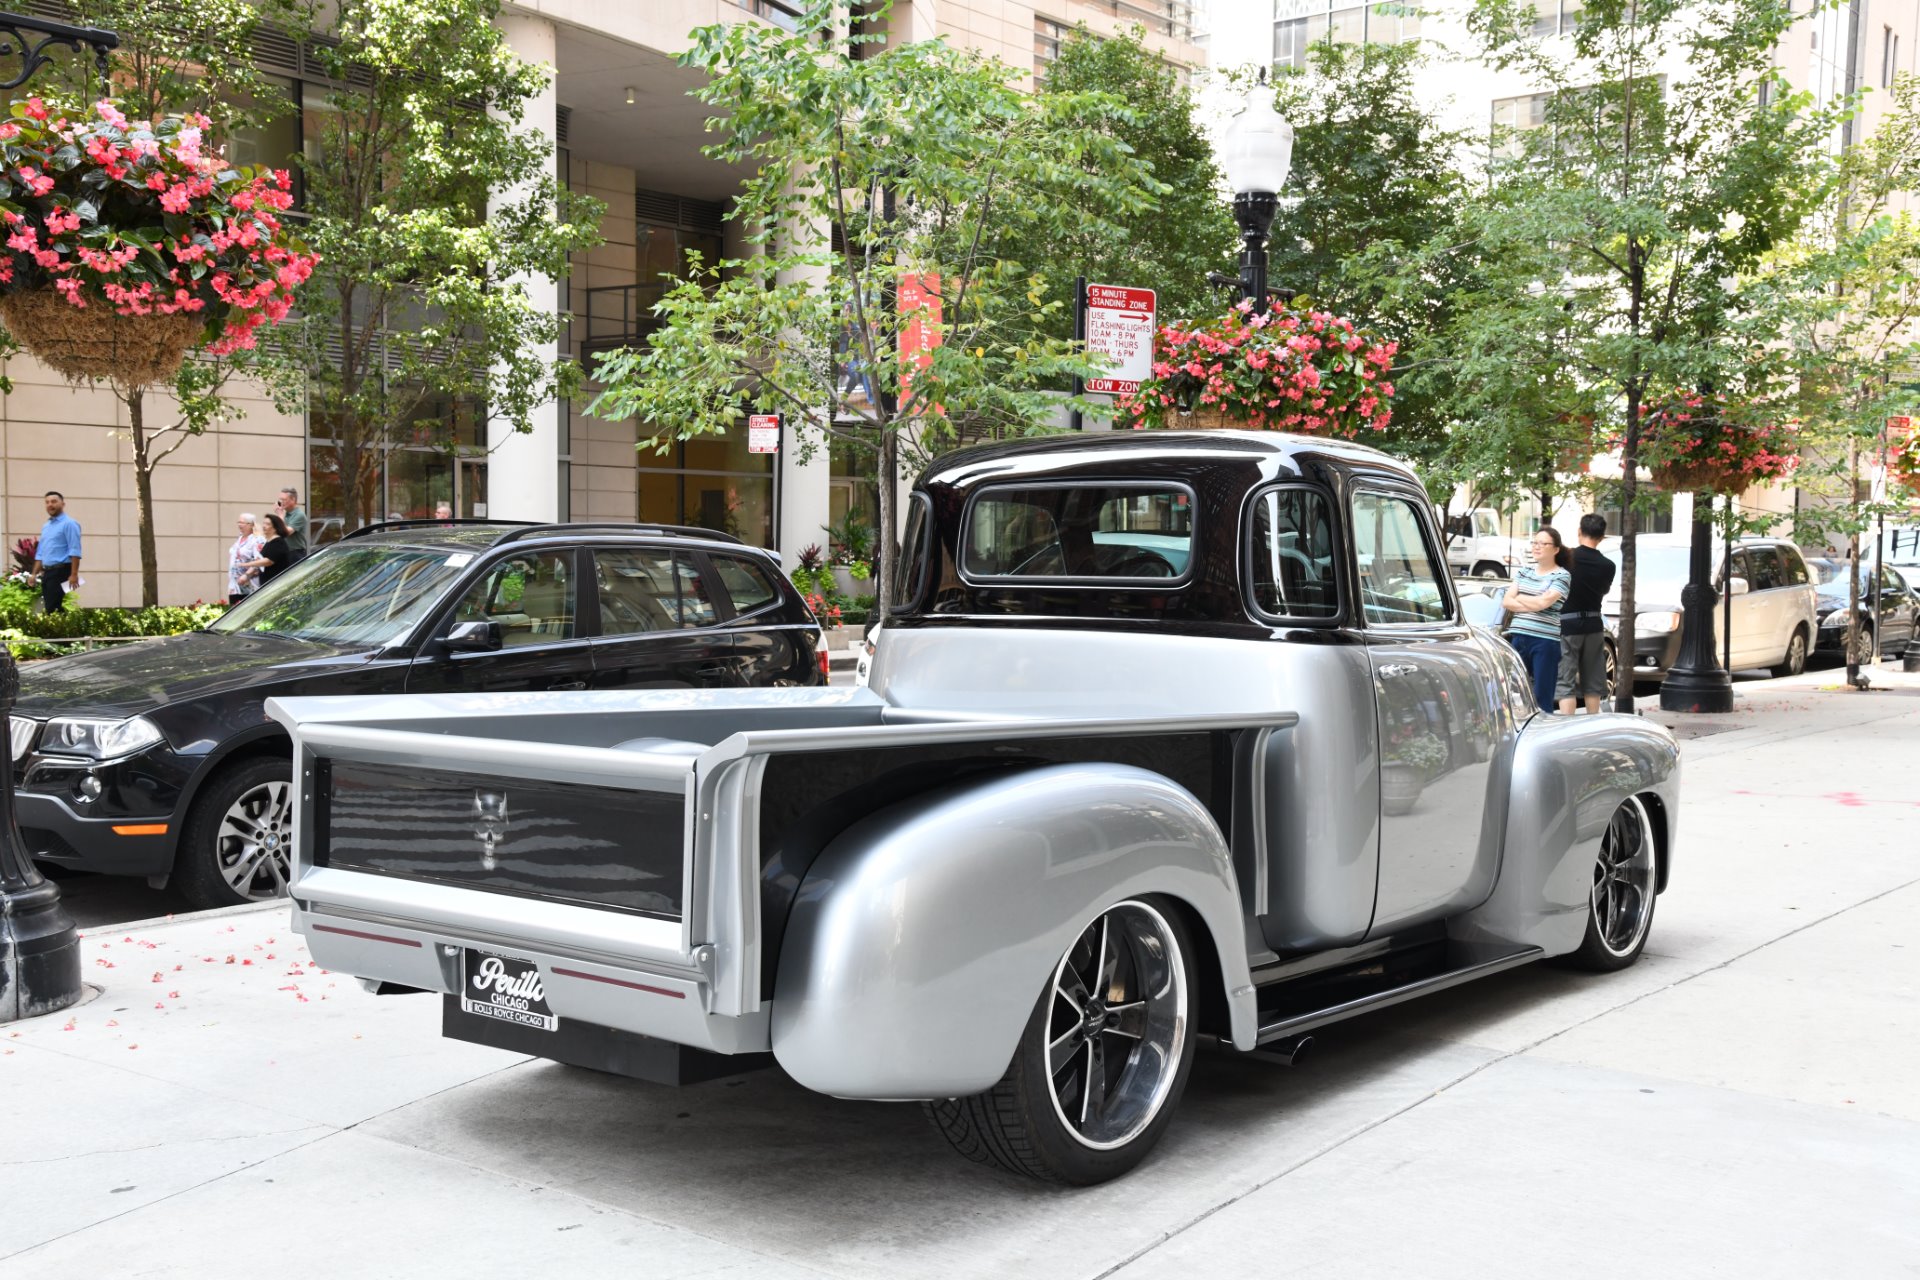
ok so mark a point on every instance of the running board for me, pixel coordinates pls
(1462, 963)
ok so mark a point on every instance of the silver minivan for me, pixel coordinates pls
(1775, 603)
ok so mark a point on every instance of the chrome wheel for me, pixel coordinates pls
(1623, 880)
(253, 847)
(1116, 1026)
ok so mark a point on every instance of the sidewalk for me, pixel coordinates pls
(1740, 1103)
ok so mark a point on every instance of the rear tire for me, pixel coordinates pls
(1795, 660)
(237, 844)
(1490, 571)
(1117, 1014)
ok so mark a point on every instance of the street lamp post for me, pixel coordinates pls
(1697, 681)
(1255, 154)
(39, 947)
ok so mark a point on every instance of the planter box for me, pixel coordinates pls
(849, 585)
(836, 637)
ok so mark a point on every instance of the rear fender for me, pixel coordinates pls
(923, 934)
(1569, 775)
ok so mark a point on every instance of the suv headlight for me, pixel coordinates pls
(1657, 622)
(101, 739)
(21, 730)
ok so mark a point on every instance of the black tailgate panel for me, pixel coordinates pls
(597, 846)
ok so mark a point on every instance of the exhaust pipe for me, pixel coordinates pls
(1287, 1051)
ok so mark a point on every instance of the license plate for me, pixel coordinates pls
(505, 989)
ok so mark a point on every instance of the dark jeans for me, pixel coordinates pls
(53, 579)
(1542, 657)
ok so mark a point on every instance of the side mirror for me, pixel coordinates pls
(1737, 587)
(474, 637)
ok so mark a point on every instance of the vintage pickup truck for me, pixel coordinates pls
(1173, 738)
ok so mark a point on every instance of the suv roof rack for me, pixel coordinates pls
(612, 526)
(383, 526)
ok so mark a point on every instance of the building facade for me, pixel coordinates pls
(623, 130)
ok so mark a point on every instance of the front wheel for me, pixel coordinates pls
(237, 845)
(1625, 882)
(1795, 660)
(1102, 1062)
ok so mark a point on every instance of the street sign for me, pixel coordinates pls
(763, 433)
(1120, 327)
(1899, 423)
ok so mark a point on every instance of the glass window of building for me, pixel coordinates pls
(1349, 26)
(711, 482)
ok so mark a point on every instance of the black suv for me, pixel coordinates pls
(157, 759)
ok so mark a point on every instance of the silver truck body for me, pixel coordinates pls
(873, 885)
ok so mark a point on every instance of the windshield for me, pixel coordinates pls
(349, 595)
(1653, 564)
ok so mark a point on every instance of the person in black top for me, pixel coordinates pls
(275, 555)
(1583, 651)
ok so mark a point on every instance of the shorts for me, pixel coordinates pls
(1583, 666)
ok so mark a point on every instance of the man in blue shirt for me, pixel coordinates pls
(56, 561)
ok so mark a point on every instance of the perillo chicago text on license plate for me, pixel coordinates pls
(508, 990)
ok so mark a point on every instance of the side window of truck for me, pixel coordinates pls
(1290, 557)
(1399, 582)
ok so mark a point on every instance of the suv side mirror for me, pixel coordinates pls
(1737, 587)
(474, 637)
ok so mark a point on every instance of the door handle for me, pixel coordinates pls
(571, 684)
(1391, 669)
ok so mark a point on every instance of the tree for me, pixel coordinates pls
(1658, 197)
(416, 301)
(1854, 331)
(179, 58)
(1378, 180)
(879, 184)
(1169, 245)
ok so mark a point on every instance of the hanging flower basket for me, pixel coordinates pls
(127, 244)
(1695, 443)
(1288, 370)
(131, 350)
(1903, 465)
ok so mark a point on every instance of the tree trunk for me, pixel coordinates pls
(143, 464)
(1629, 527)
(884, 546)
(1853, 563)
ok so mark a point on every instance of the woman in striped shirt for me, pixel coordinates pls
(1534, 599)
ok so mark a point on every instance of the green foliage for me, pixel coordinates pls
(26, 633)
(1378, 180)
(1168, 245)
(1639, 212)
(1853, 331)
(419, 271)
(921, 156)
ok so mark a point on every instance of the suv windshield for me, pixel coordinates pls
(363, 595)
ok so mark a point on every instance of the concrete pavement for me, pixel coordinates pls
(1744, 1102)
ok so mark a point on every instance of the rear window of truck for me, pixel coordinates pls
(1099, 534)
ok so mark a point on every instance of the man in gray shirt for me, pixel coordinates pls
(296, 519)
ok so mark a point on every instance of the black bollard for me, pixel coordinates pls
(39, 947)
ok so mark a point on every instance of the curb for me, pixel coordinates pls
(190, 917)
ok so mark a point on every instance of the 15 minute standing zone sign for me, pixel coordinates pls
(1120, 327)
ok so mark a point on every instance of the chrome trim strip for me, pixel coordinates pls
(549, 762)
(512, 923)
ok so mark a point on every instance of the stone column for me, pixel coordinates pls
(523, 469)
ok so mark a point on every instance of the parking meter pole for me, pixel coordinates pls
(1076, 419)
(39, 947)
(1697, 681)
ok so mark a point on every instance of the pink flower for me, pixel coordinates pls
(9, 130)
(36, 109)
(175, 199)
